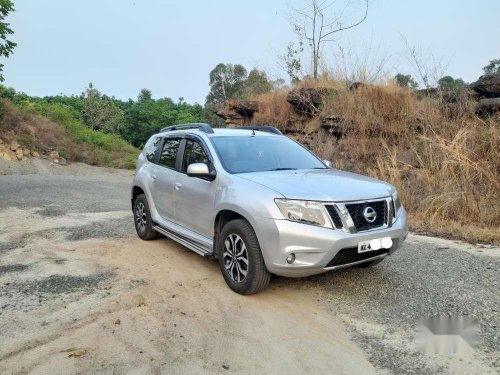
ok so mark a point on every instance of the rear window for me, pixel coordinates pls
(151, 147)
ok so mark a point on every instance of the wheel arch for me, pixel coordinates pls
(223, 217)
(136, 191)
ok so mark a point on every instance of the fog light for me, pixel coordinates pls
(290, 258)
(387, 242)
(375, 244)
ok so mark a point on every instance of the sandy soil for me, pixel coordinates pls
(149, 307)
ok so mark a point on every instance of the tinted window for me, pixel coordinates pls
(194, 153)
(150, 148)
(265, 153)
(169, 152)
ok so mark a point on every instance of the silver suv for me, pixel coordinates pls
(261, 204)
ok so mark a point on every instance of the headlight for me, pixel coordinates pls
(307, 212)
(397, 203)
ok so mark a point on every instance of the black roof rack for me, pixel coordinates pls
(200, 126)
(262, 128)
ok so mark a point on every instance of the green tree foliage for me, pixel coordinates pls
(144, 95)
(99, 112)
(405, 80)
(257, 83)
(291, 61)
(227, 81)
(6, 46)
(448, 82)
(492, 67)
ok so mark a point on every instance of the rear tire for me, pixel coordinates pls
(240, 258)
(142, 219)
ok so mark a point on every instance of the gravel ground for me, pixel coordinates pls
(379, 307)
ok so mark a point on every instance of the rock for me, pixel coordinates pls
(19, 153)
(5, 156)
(306, 101)
(246, 108)
(488, 106)
(118, 322)
(2, 147)
(35, 154)
(53, 155)
(231, 117)
(1, 141)
(62, 161)
(26, 151)
(14, 146)
(487, 85)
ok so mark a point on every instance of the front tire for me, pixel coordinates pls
(240, 258)
(142, 219)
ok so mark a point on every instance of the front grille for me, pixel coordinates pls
(356, 212)
(351, 255)
(334, 215)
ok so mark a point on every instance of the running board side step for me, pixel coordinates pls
(197, 248)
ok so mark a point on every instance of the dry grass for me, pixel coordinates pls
(444, 160)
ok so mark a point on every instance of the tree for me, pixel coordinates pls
(405, 80)
(320, 23)
(144, 95)
(291, 61)
(257, 83)
(6, 46)
(492, 67)
(448, 82)
(99, 112)
(226, 82)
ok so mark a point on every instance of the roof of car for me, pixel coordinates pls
(221, 132)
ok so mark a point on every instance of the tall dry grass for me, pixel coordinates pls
(444, 160)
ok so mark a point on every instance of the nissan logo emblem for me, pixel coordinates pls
(369, 214)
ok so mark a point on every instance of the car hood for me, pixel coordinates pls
(321, 185)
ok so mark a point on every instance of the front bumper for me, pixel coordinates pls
(314, 247)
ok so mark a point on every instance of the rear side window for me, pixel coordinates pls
(194, 153)
(169, 153)
(150, 148)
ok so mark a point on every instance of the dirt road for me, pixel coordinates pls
(80, 293)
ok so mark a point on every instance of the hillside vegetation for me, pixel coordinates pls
(441, 155)
(44, 127)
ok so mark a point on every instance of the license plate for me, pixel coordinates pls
(374, 244)
(364, 246)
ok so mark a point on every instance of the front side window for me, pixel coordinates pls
(169, 152)
(151, 147)
(194, 153)
(265, 153)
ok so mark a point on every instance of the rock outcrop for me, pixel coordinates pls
(487, 85)
(237, 112)
(306, 101)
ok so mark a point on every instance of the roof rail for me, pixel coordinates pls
(200, 126)
(262, 128)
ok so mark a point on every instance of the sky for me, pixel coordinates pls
(169, 47)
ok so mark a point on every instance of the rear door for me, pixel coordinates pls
(163, 178)
(194, 197)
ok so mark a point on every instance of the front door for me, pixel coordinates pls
(163, 176)
(194, 197)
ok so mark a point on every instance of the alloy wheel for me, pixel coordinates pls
(140, 216)
(235, 257)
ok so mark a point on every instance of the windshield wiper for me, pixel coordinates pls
(281, 169)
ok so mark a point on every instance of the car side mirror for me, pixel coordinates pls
(328, 163)
(200, 170)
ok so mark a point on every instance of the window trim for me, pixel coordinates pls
(160, 150)
(203, 146)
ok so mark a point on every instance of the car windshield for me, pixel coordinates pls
(263, 153)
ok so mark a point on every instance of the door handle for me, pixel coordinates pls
(153, 176)
(177, 186)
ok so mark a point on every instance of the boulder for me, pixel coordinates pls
(26, 151)
(246, 108)
(487, 85)
(1, 141)
(63, 161)
(5, 155)
(231, 117)
(53, 155)
(488, 106)
(19, 153)
(14, 146)
(35, 154)
(306, 101)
